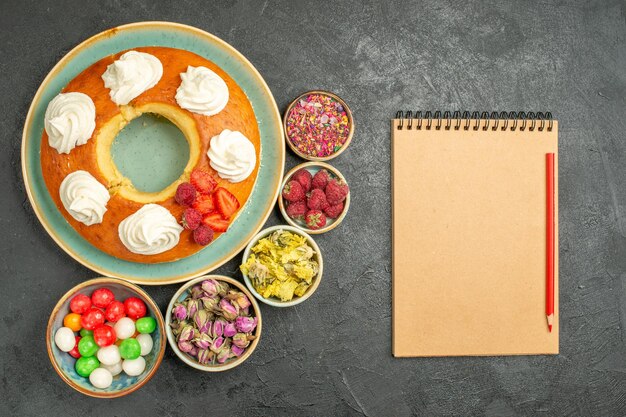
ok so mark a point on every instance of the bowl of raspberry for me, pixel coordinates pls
(315, 197)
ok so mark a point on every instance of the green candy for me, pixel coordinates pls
(85, 332)
(145, 325)
(130, 349)
(87, 346)
(86, 365)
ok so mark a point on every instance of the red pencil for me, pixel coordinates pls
(550, 239)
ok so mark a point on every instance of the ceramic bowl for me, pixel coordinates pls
(317, 158)
(181, 294)
(313, 168)
(273, 301)
(122, 384)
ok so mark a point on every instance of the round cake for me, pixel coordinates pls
(102, 205)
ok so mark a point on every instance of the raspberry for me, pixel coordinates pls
(203, 235)
(334, 211)
(304, 177)
(336, 191)
(293, 191)
(320, 179)
(185, 194)
(191, 219)
(296, 210)
(315, 219)
(317, 200)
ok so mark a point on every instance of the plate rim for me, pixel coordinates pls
(28, 121)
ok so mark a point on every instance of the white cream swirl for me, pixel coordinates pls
(232, 155)
(131, 75)
(202, 91)
(150, 230)
(84, 198)
(70, 121)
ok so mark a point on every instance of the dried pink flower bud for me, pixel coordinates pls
(180, 312)
(204, 356)
(186, 334)
(230, 330)
(210, 303)
(229, 311)
(236, 350)
(246, 324)
(185, 346)
(217, 344)
(218, 327)
(241, 300)
(193, 351)
(210, 287)
(201, 319)
(192, 307)
(223, 355)
(241, 340)
(203, 341)
(196, 291)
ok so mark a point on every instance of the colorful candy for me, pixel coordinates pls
(72, 321)
(145, 325)
(135, 308)
(86, 365)
(102, 297)
(101, 378)
(145, 342)
(109, 355)
(106, 348)
(80, 304)
(64, 339)
(124, 328)
(92, 319)
(87, 346)
(130, 349)
(134, 367)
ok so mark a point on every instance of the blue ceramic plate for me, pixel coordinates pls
(254, 213)
(122, 384)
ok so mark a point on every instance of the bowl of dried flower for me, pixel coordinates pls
(213, 323)
(282, 266)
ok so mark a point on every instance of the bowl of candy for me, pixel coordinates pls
(282, 266)
(106, 338)
(213, 323)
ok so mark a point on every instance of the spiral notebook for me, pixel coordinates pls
(470, 235)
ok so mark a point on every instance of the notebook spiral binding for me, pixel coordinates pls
(475, 120)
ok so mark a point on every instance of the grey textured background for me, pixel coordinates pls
(331, 355)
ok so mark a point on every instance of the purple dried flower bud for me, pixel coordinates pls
(246, 324)
(236, 350)
(218, 327)
(210, 303)
(230, 330)
(192, 307)
(185, 346)
(229, 311)
(222, 288)
(217, 344)
(193, 351)
(180, 312)
(210, 287)
(241, 340)
(203, 341)
(196, 291)
(186, 334)
(204, 356)
(223, 355)
(201, 318)
(241, 300)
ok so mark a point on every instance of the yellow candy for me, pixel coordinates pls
(72, 321)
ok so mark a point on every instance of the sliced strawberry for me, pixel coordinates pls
(203, 182)
(226, 203)
(216, 222)
(204, 204)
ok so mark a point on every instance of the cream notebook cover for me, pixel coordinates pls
(469, 235)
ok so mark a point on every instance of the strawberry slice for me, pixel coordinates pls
(203, 182)
(226, 203)
(216, 222)
(204, 204)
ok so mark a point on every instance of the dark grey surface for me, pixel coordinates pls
(331, 355)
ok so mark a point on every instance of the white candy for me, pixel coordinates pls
(115, 369)
(124, 328)
(101, 378)
(65, 339)
(109, 355)
(145, 341)
(134, 367)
